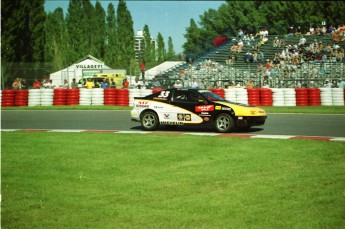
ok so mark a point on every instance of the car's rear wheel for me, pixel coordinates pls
(224, 123)
(149, 120)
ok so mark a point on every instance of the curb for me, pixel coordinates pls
(253, 136)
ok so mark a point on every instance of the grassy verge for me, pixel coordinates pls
(89, 180)
(311, 109)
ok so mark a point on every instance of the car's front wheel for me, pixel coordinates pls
(224, 123)
(150, 121)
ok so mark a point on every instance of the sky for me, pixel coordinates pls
(170, 18)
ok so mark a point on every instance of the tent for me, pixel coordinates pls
(86, 67)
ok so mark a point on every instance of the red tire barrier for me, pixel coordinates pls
(21, 98)
(253, 96)
(110, 96)
(60, 97)
(218, 91)
(122, 97)
(72, 96)
(314, 97)
(302, 97)
(266, 98)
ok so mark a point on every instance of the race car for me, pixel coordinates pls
(194, 107)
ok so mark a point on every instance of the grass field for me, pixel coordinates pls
(93, 180)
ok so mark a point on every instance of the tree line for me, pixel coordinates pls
(251, 16)
(36, 43)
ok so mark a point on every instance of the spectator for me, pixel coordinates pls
(302, 41)
(340, 55)
(89, 84)
(240, 34)
(125, 83)
(194, 84)
(48, 84)
(138, 83)
(156, 83)
(341, 83)
(266, 85)
(65, 84)
(112, 83)
(23, 84)
(276, 42)
(37, 84)
(178, 84)
(291, 32)
(240, 46)
(248, 57)
(255, 56)
(261, 56)
(327, 84)
(16, 84)
(249, 84)
(74, 83)
(202, 84)
(142, 68)
(298, 31)
(105, 83)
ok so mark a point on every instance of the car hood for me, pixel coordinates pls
(240, 109)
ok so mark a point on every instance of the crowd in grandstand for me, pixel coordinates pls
(309, 54)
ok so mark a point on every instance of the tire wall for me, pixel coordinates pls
(125, 97)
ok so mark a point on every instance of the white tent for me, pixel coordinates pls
(85, 67)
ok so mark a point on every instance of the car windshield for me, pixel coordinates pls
(211, 96)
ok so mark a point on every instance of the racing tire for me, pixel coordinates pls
(149, 121)
(224, 123)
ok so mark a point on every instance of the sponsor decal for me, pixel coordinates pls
(166, 116)
(226, 109)
(171, 123)
(142, 104)
(206, 119)
(187, 117)
(204, 108)
(184, 117)
(158, 98)
(218, 107)
(158, 107)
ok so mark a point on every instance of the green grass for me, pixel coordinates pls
(297, 109)
(92, 180)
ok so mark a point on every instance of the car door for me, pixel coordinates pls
(185, 102)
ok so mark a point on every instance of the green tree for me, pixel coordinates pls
(112, 50)
(75, 31)
(149, 49)
(56, 40)
(171, 53)
(161, 53)
(125, 38)
(193, 40)
(22, 38)
(99, 32)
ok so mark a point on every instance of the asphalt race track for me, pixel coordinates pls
(276, 124)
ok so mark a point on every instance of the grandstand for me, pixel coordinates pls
(307, 74)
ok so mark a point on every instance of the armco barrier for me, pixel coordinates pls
(125, 97)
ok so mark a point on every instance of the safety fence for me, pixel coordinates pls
(125, 97)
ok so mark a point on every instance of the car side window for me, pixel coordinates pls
(180, 96)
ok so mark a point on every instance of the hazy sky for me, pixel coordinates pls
(170, 18)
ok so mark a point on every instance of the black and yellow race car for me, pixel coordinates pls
(194, 107)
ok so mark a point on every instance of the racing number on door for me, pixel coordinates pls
(164, 94)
